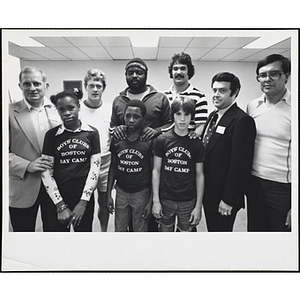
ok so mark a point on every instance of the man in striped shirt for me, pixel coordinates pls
(181, 71)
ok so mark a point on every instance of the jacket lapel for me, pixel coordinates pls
(224, 122)
(23, 118)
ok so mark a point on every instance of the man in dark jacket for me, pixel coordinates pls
(228, 138)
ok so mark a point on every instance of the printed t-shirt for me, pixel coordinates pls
(178, 171)
(71, 152)
(134, 171)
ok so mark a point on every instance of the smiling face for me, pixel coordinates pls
(136, 79)
(180, 74)
(221, 94)
(68, 110)
(33, 87)
(95, 89)
(273, 87)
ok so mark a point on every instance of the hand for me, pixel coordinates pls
(110, 205)
(148, 133)
(41, 164)
(288, 221)
(147, 210)
(78, 212)
(157, 210)
(120, 132)
(224, 209)
(195, 216)
(193, 135)
(65, 216)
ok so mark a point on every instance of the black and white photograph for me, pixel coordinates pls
(150, 150)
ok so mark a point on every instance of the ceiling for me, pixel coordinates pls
(97, 47)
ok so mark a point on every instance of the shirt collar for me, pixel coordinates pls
(84, 127)
(187, 90)
(47, 103)
(286, 98)
(221, 112)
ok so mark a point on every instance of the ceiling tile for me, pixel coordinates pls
(47, 53)
(145, 53)
(115, 41)
(196, 53)
(120, 52)
(283, 44)
(23, 53)
(235, 42)
(262, 54)
(84, 41)
(72, 53)
(240, 54)
(53, 41)
(217, 54)
(166, 42)
(96, 53)
(167, 53)
(205, 42)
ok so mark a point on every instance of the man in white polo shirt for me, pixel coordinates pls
(269, 196)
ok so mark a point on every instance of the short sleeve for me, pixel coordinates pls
(158, 148)
(95, 142)
(49, 142)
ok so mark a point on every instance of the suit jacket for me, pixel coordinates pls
(24, 148)
(228, 159)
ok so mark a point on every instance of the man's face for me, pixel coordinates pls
(180, 74)
(221, 94)
(95, 90)
(136, 79)
(33, 87)
(273, 87)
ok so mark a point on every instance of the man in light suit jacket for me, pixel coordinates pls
(29, 120)
(228, 154)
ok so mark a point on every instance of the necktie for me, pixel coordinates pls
(211, 128)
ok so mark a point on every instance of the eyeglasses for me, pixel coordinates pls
(273, 75)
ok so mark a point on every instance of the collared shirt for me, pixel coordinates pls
(221, 112)
(83, 127)
(40, 119)
(272, 152)
(201, 110)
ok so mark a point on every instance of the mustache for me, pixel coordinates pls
(179, 76)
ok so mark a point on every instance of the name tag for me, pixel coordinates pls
(220, 129)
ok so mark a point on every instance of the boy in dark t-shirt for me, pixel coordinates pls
(131, 167)
(177, 179)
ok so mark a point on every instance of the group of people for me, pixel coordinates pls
(164, 155)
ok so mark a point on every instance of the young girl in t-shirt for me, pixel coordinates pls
(74, 150)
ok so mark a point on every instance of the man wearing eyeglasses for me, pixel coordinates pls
(269, 196)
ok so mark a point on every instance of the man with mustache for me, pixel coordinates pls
(29, 120)
(269, 197)
(158, 116)
(181, 70)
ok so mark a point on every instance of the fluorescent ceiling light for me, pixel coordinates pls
(265, 42)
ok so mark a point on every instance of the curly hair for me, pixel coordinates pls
(185, 59)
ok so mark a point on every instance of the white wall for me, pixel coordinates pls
(158, 76)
